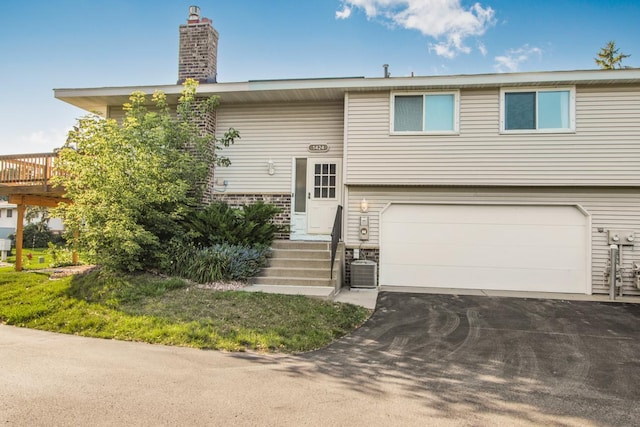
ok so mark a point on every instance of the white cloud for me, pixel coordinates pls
(482, 48)
(445, 20)
(511, 60)
(344, 13)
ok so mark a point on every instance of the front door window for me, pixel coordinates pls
(325, 181)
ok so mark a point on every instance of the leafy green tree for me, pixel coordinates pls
(133, 182)
(39, 213)
(610, 57)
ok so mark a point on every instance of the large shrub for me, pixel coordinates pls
(248, 226)
(220, 262)
(133, 181)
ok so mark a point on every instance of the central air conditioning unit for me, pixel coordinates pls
(364, 274)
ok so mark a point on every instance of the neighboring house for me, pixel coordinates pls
(514, 181)
(9, 220)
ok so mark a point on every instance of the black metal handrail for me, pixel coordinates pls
(336, 235)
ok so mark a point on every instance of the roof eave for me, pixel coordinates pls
(97, 99)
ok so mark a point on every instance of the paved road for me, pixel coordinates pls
(420, 360)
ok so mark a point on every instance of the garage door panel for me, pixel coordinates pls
(485, 278)
(483, 256)
(533, 248)
(492, 234)
(443, 214)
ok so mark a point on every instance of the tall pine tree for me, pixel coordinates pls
(610, 57)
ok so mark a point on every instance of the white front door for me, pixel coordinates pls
(317, 191)
(324, 186)
(322, 193)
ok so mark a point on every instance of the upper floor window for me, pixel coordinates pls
(9, 213)
(425, 113)
(537, 110)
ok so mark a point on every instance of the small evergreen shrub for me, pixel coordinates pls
(247, 226)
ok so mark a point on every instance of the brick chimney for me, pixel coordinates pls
(198, 54)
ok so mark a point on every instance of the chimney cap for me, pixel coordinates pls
(194, 13)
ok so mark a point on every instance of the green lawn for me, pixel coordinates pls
(33, 263)
(168, 311)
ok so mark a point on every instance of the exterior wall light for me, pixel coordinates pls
(271, 167)
(364, 205)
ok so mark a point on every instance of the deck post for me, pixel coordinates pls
(19, 229)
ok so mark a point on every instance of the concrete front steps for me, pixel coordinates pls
(297, 267)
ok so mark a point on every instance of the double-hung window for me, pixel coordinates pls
(424, 113)
(537, 110)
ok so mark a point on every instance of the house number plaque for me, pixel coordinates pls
(318, 148)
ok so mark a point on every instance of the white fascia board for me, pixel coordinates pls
(585, 77)
(91, 96)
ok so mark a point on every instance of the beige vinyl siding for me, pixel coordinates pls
(278, 132)
(116, 113)
(604, 150)
(609, 209)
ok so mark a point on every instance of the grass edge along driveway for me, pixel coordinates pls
(158, 310)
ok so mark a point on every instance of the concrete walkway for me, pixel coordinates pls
(364, 297)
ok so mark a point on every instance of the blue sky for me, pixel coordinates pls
(47, 44)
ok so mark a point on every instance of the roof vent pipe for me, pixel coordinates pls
(386, 71)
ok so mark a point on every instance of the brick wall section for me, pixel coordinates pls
(368, 254)
(207, 124)
(198, 54)
(282, 201)
(197, 59)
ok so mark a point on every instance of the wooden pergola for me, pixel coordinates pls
(26, 180)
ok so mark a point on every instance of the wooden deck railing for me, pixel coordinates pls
(28, 169)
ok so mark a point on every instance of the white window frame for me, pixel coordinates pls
(456, 112)
(572, 109)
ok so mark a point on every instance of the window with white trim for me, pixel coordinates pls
(537, 110)
(424, 113)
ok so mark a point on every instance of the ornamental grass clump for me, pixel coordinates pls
(223, 243)
(220, 262)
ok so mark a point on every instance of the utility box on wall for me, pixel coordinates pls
(622, 237)
(364, 228)
(364, 274)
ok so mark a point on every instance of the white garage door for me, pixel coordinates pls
(519, 248)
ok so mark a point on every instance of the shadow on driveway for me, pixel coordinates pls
(467, 357)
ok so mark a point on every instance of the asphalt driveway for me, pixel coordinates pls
(537, 361)
(420, 360)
